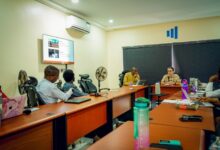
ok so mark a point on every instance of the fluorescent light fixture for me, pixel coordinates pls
(75, 1)
(111, 21)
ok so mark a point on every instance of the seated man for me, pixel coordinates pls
(213, 87)
(69, 77)
(47, 88)
(170, 78)
(131, 77)
(213, 90)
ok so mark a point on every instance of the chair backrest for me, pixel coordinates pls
(121, 77)
(33, 97)
(86, 84)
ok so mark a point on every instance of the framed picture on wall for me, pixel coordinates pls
(57, 50)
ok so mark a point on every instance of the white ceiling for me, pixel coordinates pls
(128, 13)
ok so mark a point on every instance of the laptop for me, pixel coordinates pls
(141, 82)
(77, 100)
(13, 106)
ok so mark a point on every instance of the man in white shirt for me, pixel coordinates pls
(47, 88)
(213, 87)
(210, 92)
(213, 90)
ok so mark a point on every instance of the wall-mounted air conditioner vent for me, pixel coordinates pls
(78, 24)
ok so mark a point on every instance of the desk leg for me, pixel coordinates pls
(109, 116)
(59, 133)
(147, 91)
(132, 105)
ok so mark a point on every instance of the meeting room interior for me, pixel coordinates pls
(109, 74)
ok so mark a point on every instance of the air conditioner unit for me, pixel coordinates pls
(78, 24)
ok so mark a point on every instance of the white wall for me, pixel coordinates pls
(191, 30)
(22, 24)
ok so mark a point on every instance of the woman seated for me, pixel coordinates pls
(170, 78)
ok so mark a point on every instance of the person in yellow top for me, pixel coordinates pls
(131, 77)
(170, 78)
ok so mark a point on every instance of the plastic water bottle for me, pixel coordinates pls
(184, 87)
(141, 123)
(157, 88)
(131, 86)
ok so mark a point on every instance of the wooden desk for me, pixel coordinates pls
(56, 125)
(122, 100)
(168, 114)
(88, 116)
(84, 118)
(169, 90)
(122, 137)
(34, 131)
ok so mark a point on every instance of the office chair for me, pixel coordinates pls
(29, 87)
(86, 84)
(121, 77)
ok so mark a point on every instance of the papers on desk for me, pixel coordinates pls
(176, 101)
(187, 102)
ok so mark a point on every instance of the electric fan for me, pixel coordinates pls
(101, 75)
(26, 84)
(22, 79)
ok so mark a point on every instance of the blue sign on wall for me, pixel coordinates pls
(173, 33)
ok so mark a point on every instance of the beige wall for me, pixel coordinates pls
(22, 24)
(191, 30)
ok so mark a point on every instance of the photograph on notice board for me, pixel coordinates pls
(53, 43)
(53, 53)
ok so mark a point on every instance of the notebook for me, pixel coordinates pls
(13, 106)
(77, 100)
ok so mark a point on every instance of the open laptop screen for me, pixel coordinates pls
(141, 82)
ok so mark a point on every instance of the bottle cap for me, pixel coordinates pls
(184, 81)
(142, 102)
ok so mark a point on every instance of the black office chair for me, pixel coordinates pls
(86, 84)
(121, 77)
(33, 97)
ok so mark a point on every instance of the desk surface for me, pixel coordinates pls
(69, 108)
(168, 86)
(168, 114)
(125, 90)
(52, 111)
(44, 114)
(166, 89)
(122, 137)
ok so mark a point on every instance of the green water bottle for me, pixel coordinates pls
(141, 123)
